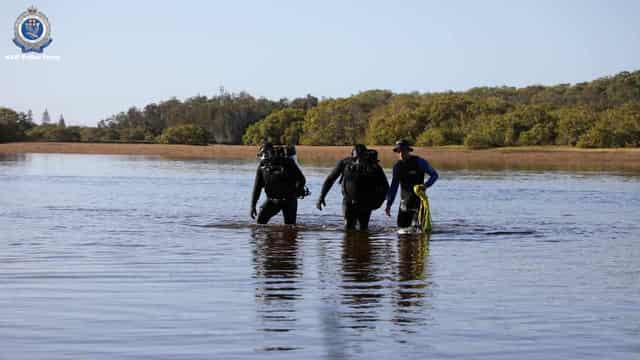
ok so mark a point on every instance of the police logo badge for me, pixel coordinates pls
(32, 31)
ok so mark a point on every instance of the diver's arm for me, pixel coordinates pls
(301, 181)
(331, 179)
(427, 168)
(393, 189)
(258, 184)
(383, 177)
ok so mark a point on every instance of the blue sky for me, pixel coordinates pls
(117, 54)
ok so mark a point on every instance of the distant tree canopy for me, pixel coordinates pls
(188, 134)
(13, 125)
(224, 117)
(281, 126)
(341, 121)
(601, 113)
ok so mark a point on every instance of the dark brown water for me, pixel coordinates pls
(105, 257)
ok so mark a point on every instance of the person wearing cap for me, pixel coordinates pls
(409, 171)
(283, 183)
(364, 186)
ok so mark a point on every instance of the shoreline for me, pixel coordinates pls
(448, 157)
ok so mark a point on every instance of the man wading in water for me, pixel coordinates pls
(364, 186)
(408, 172)
(282, 181)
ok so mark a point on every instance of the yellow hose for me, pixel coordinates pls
(424, 214)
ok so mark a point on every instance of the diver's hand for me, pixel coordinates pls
(387, 211)
(254, 212)
(320, 204)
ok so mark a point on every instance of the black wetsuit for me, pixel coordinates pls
(282, 181)
(408, 173)
(357, 203)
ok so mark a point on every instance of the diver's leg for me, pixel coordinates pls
(405, 218)
(409, 204)
(290, 211)
(350, 215)
(267, 210)
(363, 217)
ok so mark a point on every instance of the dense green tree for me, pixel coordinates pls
(342, 121)
(184, 134)
(280, 127)
(304, 103)
(51, 132)
(573, 122)
(9, 130)
(619, 127)
(399, 118)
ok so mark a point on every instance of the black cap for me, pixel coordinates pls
(402, 145)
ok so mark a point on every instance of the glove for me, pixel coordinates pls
(254, 213)
(387, 211)
(320, 204)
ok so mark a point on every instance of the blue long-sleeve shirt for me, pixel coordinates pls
(395, 182)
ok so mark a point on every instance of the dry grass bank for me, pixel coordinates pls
(534, 158)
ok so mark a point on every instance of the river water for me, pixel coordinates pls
(119, 257)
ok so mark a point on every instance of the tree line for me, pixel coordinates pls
(601, 113)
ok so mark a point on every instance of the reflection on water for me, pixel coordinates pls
(382, 279)
(363, 272)
(12, 158)
(413, 282)
(278, 270)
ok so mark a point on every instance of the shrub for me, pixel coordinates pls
(50, 132)
(281, 127)
(432, 137)
(184, 134)
(618, 127)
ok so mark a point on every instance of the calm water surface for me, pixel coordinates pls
(114, 257)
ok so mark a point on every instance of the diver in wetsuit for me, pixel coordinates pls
(282, 181)
(364, 186)
(410, 170)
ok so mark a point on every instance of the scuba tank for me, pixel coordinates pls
(273, 159)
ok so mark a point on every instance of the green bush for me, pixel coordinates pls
(184, 134)
(618, 127)
(573, 122)
(50, 132)
(401, 118)
(280, 127)
(478, 140)
(432, 137)
(133, 134)
(9, 129)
